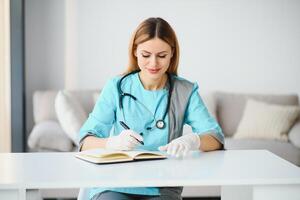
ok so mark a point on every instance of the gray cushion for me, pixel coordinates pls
(48, 135)
(285, 150)
(230, 107)
(294, 134)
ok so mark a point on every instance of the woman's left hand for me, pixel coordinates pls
(182, 145)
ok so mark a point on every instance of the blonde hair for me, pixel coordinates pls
(149, 29)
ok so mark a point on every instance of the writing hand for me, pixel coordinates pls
(126, 140)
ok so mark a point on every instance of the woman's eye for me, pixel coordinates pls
(147, 56)
(162, 56)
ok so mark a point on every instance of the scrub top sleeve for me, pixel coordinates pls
(102, 118)
(198, 117)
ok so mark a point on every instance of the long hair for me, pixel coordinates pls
(149, 29)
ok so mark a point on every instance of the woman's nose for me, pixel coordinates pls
(153, 61)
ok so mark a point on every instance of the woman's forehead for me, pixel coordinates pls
(154, 45)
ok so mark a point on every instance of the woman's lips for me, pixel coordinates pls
(153, 71)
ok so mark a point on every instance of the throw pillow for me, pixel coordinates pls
(48, 135)
(70, 113)
(266, 121)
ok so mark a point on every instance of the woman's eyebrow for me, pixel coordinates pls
(157, 53)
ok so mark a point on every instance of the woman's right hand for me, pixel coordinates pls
(126, 140)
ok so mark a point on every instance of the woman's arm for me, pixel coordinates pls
(202, 123)
(100, 121)
(92, 142)
(209, 143)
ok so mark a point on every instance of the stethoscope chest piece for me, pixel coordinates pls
(160, 124)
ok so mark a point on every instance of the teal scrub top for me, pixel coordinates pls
(103, 121)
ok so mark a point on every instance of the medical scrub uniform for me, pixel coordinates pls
(141, 116)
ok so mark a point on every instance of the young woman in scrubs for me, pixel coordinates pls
(153, 54)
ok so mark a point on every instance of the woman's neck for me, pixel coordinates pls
(153, 84)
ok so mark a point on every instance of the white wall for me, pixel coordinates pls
(232, 45)
(44, 49)
(237, 45)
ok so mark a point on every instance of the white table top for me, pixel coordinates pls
(63, 170)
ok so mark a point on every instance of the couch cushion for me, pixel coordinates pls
(266, 121)
(43, 106)
(294, 134)
(85, 97)
(285, 150)
(230, 107)
(43, 103)
(70, 113)
(49, 135)
(210, 103)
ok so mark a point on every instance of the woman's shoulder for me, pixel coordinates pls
(113, 81)
(184, 81)
(180, 78)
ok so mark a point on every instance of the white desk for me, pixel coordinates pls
(242, 174)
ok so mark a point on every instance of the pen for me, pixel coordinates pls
(127, 127)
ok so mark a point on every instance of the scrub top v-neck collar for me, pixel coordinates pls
(164, 89)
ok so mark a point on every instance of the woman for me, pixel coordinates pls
(154, 103)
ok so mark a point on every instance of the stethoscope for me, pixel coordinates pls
(160, 124)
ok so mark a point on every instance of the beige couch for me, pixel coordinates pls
(47, 134)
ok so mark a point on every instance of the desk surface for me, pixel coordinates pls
(63, 170)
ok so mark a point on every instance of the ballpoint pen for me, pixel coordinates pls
(127, 128)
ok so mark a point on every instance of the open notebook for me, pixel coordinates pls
(110, 156)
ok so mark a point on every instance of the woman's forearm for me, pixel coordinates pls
(92, 142)
(209, 143)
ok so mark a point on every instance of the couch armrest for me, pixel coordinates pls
(294, 134)
(49, 135)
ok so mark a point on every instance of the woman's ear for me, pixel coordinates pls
(172, 52)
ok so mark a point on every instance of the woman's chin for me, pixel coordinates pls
(155, 75)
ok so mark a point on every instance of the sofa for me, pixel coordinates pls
(48, 134)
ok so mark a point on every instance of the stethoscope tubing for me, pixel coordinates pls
(159, 123)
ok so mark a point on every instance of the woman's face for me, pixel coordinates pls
(153, 57)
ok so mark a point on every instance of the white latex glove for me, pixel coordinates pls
(126, 140)
(182, 145)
